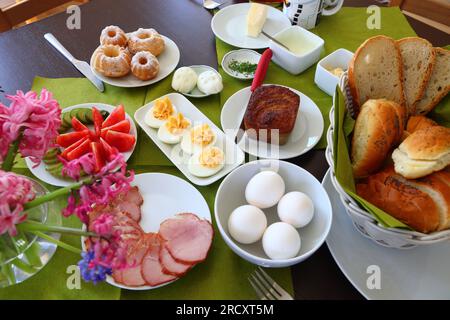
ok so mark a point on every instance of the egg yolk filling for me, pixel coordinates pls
(162, 109)
(211, 157)
(202, 135)
(176, 124)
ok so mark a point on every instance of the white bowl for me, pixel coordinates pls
(240, 55)
(326, 80)
(231, 194)
(296, 63)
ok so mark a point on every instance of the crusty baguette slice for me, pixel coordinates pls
(375, 72)
(438, 85)
(378, 128)
(423, 152)
(416, 123)
(418, 58)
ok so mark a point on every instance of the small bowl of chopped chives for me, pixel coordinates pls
(241, 64)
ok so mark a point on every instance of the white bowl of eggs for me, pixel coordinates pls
(273, 213)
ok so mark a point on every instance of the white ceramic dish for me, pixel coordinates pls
(306, 134)
(417, 273)
(40, 171)
(326, 80)
(291, 62)
(199, 69)
(233, 155)
(168, 61)
(230, 26)
(164, 196)
(242, 55)
(231, 194)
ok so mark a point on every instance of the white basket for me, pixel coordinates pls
(363, 220)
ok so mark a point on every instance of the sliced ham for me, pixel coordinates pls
(151, 268)
(188, 239)
(170, 265)
(135, 196)
(131, 208)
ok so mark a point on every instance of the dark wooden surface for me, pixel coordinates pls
(24, 54)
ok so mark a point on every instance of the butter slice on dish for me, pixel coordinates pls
(256, 18)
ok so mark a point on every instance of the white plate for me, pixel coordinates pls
(40, 171)
(233, 155)
(241, 55)
(164, 196)
(231, 194)
(230, 26)
(199, 69)
(168, 61)
(306, 134)
(417, 273)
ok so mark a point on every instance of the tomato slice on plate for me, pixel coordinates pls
(82, 149)
(67, 139)
(77, 125)
(98, 157)
(72, 147)
(108, 151)
(122, 126)
(122, 141)
(98, 120)
(117, 115)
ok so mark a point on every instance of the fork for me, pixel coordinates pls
(211, 5)
(266, 288)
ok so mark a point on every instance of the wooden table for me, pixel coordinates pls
(25, 54)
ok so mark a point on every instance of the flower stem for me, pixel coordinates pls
(61, 244)
(32, 226)
(52, 195)
(8, 163)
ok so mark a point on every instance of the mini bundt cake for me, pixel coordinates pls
(113, 35)
(144, 65)
(112, 61)
(146, 40)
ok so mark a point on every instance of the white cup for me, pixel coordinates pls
(306, 13)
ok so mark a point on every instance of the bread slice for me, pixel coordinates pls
(378, 128)
(438, 85)
(418, 58)
(423, 152)
(416, 123)
(376, 71)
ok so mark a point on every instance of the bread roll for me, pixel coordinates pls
(423, 152)
(416, 123)
(418, 57)
(422, 204)
(378, 129)
(376, 72)
(438, 85)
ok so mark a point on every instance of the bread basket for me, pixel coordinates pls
(364, 222)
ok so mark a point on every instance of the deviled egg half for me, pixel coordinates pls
(198, 138)
(206, 162)
(160, 112)
(173, 129)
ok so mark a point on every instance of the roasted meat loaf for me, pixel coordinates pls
(271, 108)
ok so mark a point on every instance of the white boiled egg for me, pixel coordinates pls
(296, 208)
(207, 162)
(265, 189)
(281, 241)
(173, 129)
(184, 80)
(247, 224)
(197, 138)
(158, 114)
(210, 82)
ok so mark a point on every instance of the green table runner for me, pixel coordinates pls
(224, 274)
(346, 29)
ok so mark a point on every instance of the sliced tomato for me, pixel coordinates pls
(82, 149)
(116, 116)
(77, 125)
(72, 147)
(67, 139)
(122, 141)
(98, 157)
(98, 120)
(108, 151)
(122, 126)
